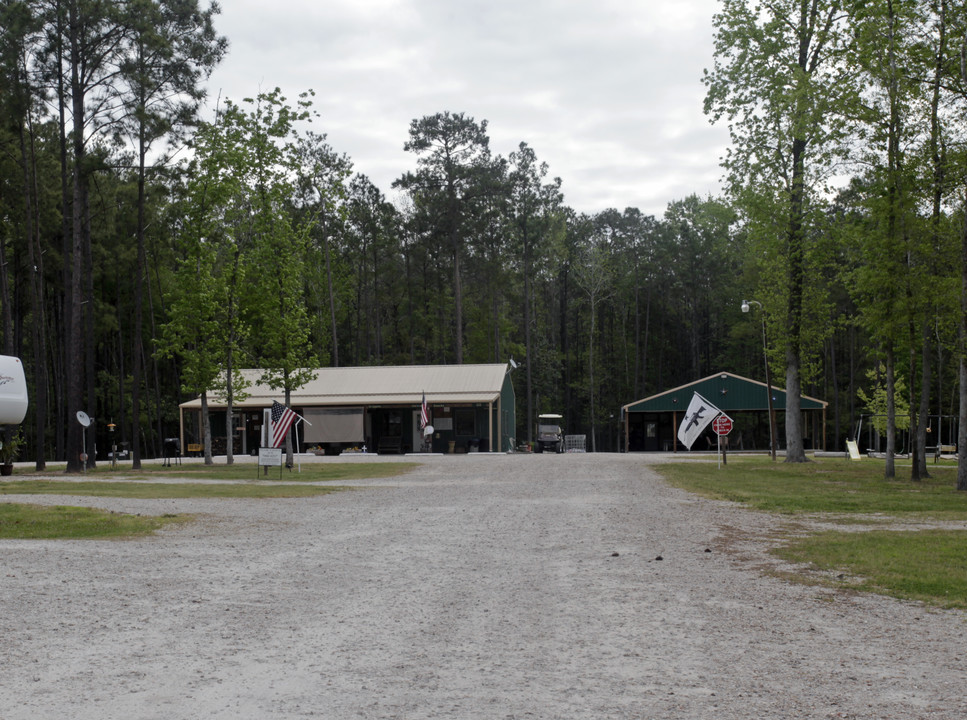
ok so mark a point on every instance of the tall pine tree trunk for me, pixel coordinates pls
(35, 257)
(139, 272)
(889, 471)
(962, 419)
(924, 410)
(795, 451)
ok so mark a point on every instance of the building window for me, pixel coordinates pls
(464, 421)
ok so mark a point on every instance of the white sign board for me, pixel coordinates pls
(270, 456)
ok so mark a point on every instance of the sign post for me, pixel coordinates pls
(270, 457)
(722, 425)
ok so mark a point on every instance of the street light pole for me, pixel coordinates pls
(746, 304)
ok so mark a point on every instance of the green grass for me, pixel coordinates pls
(152, 491)
(19, 521)
(829, 486)
(310, 472)
(927, 565)
(158, 482)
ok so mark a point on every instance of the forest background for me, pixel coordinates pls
(153, 245)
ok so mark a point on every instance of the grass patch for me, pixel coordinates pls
(828, 486)
(311, 472)
(154, 491)
(40, 522)
(155, 482)
(928, 565)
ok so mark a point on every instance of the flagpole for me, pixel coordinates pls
(296, 428)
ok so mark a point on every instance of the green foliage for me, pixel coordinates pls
(10, 449)
(876, 401)
(261, 250)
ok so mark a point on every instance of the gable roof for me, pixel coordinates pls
(379, 385)
(728, 392)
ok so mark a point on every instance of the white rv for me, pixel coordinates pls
(13, 391)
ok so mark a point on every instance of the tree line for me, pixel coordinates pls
(153, 244)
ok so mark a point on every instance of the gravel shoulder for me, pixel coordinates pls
(495, 586)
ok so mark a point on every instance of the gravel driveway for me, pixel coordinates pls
(486, 586)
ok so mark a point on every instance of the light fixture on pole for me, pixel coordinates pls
(746, 306)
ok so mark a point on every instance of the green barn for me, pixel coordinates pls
(651, 424)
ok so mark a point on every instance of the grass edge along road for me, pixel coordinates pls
(876, 550)
(19, 521)
(27, 521)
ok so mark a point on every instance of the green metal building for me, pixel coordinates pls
(651, 424)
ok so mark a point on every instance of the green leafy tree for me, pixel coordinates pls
(888, 274)
(322, 176)
(534, 205)
(454, 168)
(880, 404)
(595, 277)
(19, 93)
(173, 48)
(275, 265)
(87, 44)
(779, 81)
(205, 328)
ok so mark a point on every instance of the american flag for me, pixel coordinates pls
(424, 413)
(282, 419)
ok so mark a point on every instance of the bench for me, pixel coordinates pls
(941, 450)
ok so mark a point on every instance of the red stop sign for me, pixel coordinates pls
(722, 425)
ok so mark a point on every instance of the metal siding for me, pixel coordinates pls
(390, 385)
(741, 394)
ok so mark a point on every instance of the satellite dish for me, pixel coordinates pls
(427, 431)
(513, 364)
(83, 418)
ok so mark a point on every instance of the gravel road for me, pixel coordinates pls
(478, 586)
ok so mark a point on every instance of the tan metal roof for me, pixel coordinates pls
(393, 385)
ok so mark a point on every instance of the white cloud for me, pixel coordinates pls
(607, 92)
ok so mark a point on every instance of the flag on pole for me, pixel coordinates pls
(282, 419)
(424, 413)
(699, 414)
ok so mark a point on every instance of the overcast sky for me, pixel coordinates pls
(607, 92)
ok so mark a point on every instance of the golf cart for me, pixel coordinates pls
(550, 437)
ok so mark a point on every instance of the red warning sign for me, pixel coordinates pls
(722, 425)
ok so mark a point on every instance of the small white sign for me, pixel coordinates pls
(270, 456)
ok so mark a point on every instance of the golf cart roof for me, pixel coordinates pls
(549, 416)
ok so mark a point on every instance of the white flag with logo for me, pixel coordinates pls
(699, 414)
